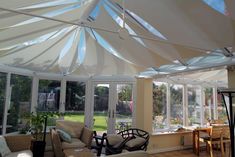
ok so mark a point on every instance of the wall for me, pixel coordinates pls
(169, 142)
(144, 101)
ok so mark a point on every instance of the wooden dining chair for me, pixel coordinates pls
(225, 141)
(214, 139)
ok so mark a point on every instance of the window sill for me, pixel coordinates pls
(172, 132)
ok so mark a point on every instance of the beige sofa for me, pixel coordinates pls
(19, 145)
(131, 154)
(81, 135)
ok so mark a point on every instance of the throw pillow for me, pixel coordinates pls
(135, 142)
(114, 139)
(64, 136)
(74, 129)
(4, 150)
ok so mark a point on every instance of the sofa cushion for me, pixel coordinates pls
(64, 136)
(4, 149)
(23, 153)
(114, 139)
(73, 128)
(135, 142)
(76, 143)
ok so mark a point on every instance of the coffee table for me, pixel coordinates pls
(84, 152)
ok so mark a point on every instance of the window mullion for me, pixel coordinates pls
(89, 103)
(62, 96)
(185, 105)
(168, 103)
(215, 105)
(7, 102)
(34, 96)
(202, 101)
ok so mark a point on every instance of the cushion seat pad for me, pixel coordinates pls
(76, 143)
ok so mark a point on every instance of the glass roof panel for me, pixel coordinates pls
(218, 5)
(49, 14)
(95, 12)
(81, 51)
(106, 45)
(68, 45)
(146, 25)
(50, 4)
(40, 39)
(119, 21)
(212, 59)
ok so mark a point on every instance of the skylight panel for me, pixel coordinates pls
(119, 21)
(172, 68)
(81, 51)
(95, 12)
(146, 25)
(50, 14)
(218, 5)
(37, 40)
(106, 45)
(110, 4)
(50, 4)
(67, 46)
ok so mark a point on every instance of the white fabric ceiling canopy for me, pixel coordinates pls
(116, 37)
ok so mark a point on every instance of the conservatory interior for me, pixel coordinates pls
(117, 64)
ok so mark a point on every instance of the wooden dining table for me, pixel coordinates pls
(196, 136)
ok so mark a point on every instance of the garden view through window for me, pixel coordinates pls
(20, 103)
(75, 101)
(198, 109)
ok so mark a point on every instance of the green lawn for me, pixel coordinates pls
(100, 123)
(100, 120)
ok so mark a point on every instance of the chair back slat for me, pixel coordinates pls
(226, 132)
(216, 132)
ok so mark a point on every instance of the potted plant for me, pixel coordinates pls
(38, 123)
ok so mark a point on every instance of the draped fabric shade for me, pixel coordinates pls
(116, 37)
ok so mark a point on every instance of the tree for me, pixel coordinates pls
(125, 93)
(159, 99)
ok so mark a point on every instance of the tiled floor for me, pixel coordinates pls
(186, 153)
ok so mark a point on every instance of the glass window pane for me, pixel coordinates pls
(176, 109)
(2, 97)
(124, 107)
(48, 95)
(75, 100)
(159, 105)
(20, 102)
(194, 108)
(222, 115)
(208, 105)
(101, 101)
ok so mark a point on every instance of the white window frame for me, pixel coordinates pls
(185, 105)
